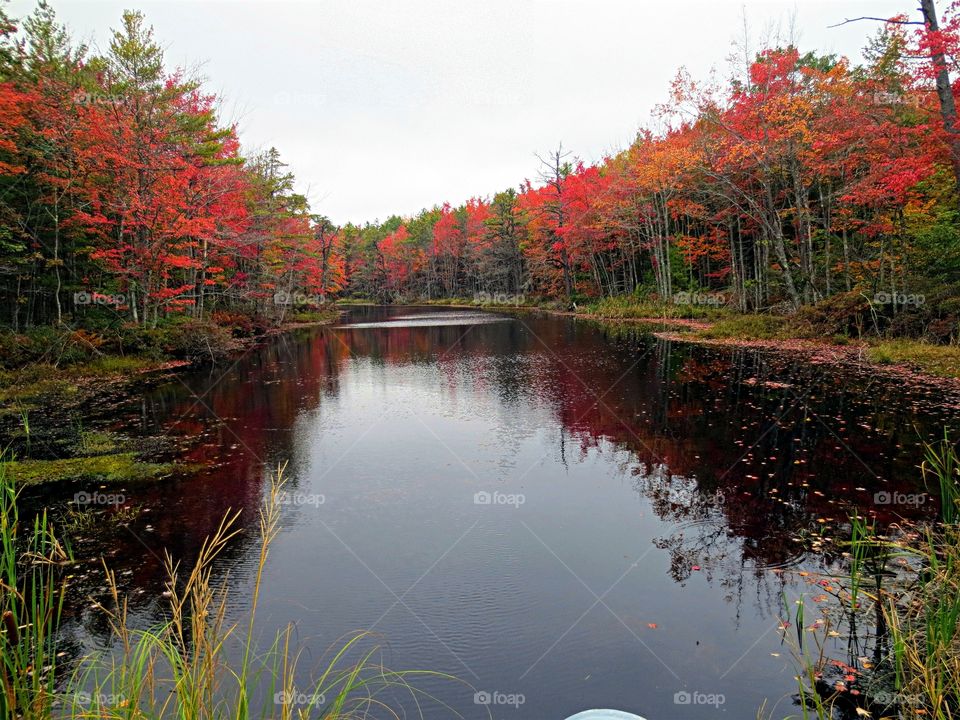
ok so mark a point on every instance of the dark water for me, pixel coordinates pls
(584, 516)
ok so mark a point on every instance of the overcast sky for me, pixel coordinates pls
(392, 106)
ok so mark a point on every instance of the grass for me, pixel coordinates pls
(747, 327)
(43, 380)
(313, 316)
(940, 360)
(630, 307)
(31, 603)
(908, 584)
(195, 665)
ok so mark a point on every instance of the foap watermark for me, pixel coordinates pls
(715, 499)
(498, 498)
(297, 298)
(885, 497)
(891, 699)
(92, 98)
(99, 498)
(485, 298)
(298, 499)
(495, 697)
(884, 298)
(684, 697)
(698, 298)
(99, 699)
(98, 298)
(295, 698)
(885, 97)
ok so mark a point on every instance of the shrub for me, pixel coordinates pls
(847, 314)
(196, 340)
(55, 346)
(239, 324)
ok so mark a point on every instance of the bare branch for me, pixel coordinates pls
(877, 19)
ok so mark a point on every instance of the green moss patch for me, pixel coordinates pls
(118, 467)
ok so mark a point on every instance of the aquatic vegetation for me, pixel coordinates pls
(185, 667)
(909, 582)
(114, 467)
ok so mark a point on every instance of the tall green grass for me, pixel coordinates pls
(196, 665)
(31, 602)
(910, 585)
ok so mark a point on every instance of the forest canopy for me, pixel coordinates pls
(798, 180)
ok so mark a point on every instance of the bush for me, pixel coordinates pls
(847, 314)
(239, 324)
(55, 346)
(196, 340)
(936, 319)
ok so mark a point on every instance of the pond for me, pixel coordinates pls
(559, 513)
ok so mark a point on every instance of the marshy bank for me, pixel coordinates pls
(52, 381)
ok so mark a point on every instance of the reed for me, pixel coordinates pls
(31, 602)
(917, 605)
(196, 665)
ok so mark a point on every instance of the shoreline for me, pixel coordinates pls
(134, 367)
(854, 355)
(38, 390)
(38, 396)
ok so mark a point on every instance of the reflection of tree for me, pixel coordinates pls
(705, 540)
(784, 444)
(691, 424)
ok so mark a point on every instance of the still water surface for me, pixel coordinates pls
(543, 507)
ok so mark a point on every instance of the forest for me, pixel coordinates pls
(761, 473)
(798, 181)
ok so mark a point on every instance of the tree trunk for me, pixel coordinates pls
(948, 107)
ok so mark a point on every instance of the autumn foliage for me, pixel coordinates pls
(798, 178)
(118, 182)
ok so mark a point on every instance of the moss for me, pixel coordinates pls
(941, 360)
(113, 365)
(96, 443)
(117, 467)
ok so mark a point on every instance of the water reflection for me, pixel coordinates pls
(662, 486)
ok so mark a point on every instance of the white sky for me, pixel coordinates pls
(391, 106)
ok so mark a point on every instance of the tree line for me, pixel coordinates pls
(798, 178)
(120, 188)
